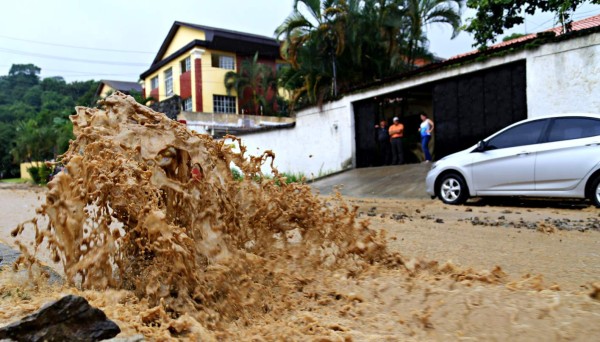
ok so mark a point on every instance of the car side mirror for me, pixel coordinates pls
(481, 146)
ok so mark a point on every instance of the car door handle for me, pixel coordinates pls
(524, 153)
(593, 144)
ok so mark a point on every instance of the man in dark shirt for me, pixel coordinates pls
(383, 140)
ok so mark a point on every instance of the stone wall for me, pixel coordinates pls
(171, 106)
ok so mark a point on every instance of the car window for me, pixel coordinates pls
(573, 128)
(524, 134)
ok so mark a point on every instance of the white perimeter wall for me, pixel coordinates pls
(561, 77)
(322, 141)
(564, 77)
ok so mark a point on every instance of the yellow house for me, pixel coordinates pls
(107, 87)
(192, 63)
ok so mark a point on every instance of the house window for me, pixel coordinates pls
(187, 105)
(186, 65)
(169, 82)
(223, 62)
(154, 82)
(224, 104)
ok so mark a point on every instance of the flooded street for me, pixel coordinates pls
(450, 290)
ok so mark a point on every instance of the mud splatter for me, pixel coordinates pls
(146, 205)
(150, 226)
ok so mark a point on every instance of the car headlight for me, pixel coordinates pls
(434, 165)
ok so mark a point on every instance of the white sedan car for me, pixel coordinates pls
(552, 156)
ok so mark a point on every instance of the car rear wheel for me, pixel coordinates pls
(595, 192)
(453, 189)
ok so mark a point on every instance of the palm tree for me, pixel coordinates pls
(255, 85)
(322, 31)
(376, 37)
(421, 13)
(365, 40)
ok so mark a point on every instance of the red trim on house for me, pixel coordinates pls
(154, 94)
(198, 81)
(185, 85)
(143, 92)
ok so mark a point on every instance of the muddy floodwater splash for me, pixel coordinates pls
(148, 206)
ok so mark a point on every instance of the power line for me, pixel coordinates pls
(588, 11)
(574, 15)
(24, 53)
(582, 14)
(74, 46)
(81, 73)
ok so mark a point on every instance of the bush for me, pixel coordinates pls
(289, 177)
(294, 178)
(44, 173)
(40, 175)
(34, 172)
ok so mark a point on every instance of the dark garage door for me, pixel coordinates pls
(470, 107)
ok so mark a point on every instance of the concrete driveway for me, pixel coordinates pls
(401, 181)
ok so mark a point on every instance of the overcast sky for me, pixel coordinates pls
(110, 39)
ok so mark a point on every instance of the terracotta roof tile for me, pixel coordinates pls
(575, 26)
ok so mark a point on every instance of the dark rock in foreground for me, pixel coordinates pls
(71, 318)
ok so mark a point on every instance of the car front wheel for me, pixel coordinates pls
(453, 189)
(595, 192)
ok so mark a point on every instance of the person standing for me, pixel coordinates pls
(396, 132)
(383, 140)
(425, 129)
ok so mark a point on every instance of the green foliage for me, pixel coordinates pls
(495, 16)
(34, 116)
(335, 45)
(513, 36)
(289, 177)
(34, 174)
(294, 177)
(139, 97)
(7, 136)
(13, 180)
(40, 175)
(237, 175)
(44, 172)
(255, 85)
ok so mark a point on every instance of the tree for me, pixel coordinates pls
(20, 78)
(255, 85)
(7, 136)
(24, 70)
(421, 13)
(495, 16)
(338, 44)
(322, 31)
(34, 115)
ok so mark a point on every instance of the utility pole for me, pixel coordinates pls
(335, 90)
